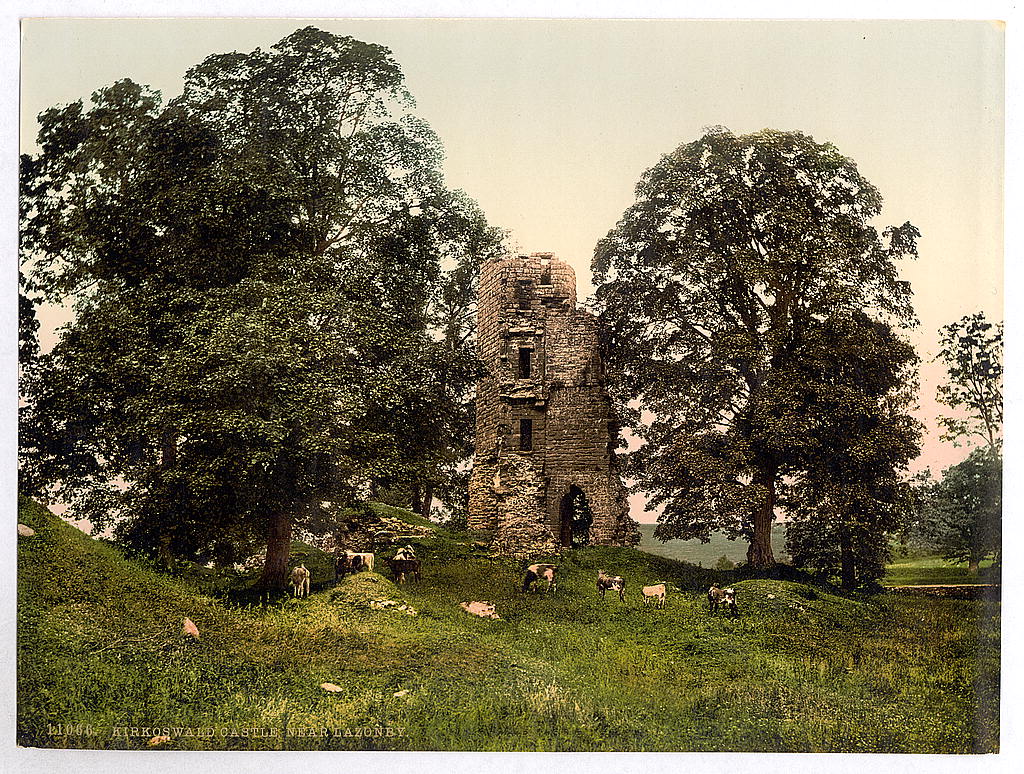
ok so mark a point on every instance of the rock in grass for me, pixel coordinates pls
(158, 740)
(25, 530)
(189, 628)
(331, 687)
(482, 609)
(400, 694)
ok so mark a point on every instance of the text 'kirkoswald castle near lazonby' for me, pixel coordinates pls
(545, 474)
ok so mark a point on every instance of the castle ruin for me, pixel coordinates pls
(545, 475)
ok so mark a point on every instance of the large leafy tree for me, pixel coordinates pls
(254, 268)
(735, 247)
(961, 515)
(853, 384)
(972, 351)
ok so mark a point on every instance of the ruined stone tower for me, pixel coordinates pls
(545, 474)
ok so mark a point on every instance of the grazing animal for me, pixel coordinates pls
(405, 552)
(613, 582)
(404, 568)
(535, 573)
(352, 562)
(722, 597)
(656, 592)
(300, 581)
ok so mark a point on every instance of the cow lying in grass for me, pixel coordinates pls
(351, 562)
(656, 593)
(722, 597)
(404, 568)
(300, 581)
(535, 573)
(613, 582)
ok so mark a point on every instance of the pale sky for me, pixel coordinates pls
(550, 124)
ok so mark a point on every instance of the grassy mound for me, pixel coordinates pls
(363, 588)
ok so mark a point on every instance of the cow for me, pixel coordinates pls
(656, 593)
(535, 573)
(404, 568)
(300, 581)
(350, 561)
(722, 597)
(613, 582)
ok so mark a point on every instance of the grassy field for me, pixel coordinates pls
(920, 571)
(931, 570)
(706, 554)
(102, 662)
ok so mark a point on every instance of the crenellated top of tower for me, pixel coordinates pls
(542, 275)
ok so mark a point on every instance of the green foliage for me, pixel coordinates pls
(849, 497)
(801, 669)
(972, 350)
(266, 275)
(724, 563)
(712, 286)
(961, 515)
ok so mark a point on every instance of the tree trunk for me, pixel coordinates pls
(973, 564)
(279, 538)
(848, 572)
(168, 459)
(164, 556)
(759, 554)
(428, 500)
(415, 503)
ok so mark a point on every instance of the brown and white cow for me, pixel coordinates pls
(404, 568)
(613, 582)
(722, 597)
(536, 573)
(352, 562)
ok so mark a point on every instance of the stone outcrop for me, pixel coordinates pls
(545, 430)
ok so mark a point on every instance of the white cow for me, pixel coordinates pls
(656, 593)
(300, 581)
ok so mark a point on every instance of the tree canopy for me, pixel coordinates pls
(712, 285)
(850, 494)
(262, 271)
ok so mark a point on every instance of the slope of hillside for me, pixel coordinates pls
(101, 653)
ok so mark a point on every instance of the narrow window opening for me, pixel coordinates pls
(523, 294)
(525, 362)
(526, 435)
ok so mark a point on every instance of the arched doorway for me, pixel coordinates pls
(576, 519)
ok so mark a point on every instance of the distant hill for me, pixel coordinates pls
(706, 554)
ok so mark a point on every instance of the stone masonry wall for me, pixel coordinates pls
(527, 319)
